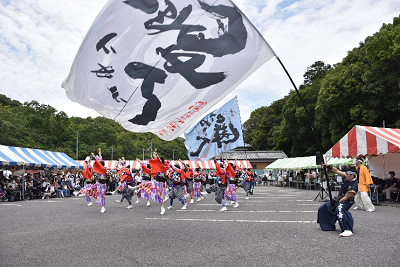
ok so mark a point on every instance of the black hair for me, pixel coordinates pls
(177, 166)
(392, 172)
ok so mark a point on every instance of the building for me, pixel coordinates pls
(258, 159)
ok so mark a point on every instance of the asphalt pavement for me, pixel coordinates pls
(275, 227)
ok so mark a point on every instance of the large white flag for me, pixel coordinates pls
(217, 132)
(157, 66)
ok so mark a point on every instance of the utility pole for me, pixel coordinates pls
(112, 153)
(173, 154)
(143, 154)
(77, 134)
(151, 147)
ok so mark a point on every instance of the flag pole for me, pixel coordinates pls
(312, 128)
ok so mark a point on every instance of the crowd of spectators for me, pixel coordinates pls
(60, 184)
(40, 184)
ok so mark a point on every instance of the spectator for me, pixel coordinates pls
(44, 184)
(3, 191)
(264, 179)
(390, 186)
(47, 192)
(29, 189)
(13, 191)
(57, 189)
(64, 187)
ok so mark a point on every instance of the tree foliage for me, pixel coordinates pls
(35, 125)
(363, 89)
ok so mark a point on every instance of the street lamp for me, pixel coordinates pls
(173, 154)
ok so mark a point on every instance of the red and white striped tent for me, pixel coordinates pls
(380, 146)
(366, 140)
(206, 164)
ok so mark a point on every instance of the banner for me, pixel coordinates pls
(158, 66)
(219, 131)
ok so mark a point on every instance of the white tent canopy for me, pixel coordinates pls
(304, 163)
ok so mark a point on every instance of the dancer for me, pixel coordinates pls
(220, 188)
(230, 192)
(158, 188)
(246, 179)
(197, 176)
(362, 199)
(126, 179)
(145, 171)
(126, 193)
(189, 182)
(177, 187)
(100, 185)
(87, 190)
(126, 174)
(328, 215)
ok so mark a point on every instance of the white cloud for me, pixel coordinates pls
(39, 40)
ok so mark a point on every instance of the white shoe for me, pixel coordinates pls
(191, 201)
(232, 202)
(236, 205)
(102, 210)
(118, 201)
(246, 198)
(170, 207)
(223, 209)
(204, 193)
(75, 193)
(183, 207)
(137, 201)
(162, 210)
(201, 197)
(129, 207)
(148, 203)
(370, 210)
(112, 193)
(81, 195)
(90, 204)
(166, 198)
(355, 208)
(346, 233)
(198, 199)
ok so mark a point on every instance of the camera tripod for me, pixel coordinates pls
(323, 194)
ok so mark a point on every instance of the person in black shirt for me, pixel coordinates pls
(390, 186)
(328, 215)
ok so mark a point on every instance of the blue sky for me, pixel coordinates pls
(39, 40)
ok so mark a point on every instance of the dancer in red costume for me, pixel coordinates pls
(159, 168)
(145, 185)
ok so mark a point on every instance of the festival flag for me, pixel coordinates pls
(217, 132)
(158, 66)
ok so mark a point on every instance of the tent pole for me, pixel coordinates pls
(23, 182)
(313, 131)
